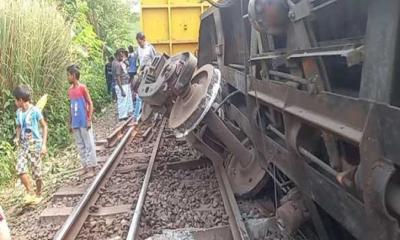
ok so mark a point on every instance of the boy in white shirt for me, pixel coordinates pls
(145, 51)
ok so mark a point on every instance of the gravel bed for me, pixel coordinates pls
(65, 201)
(182, 199)
(104, 152)
(107, 123)
(175, 198)
(121, 189)
(105, 227)
(175, 150)
(47, 231)
(256, 208)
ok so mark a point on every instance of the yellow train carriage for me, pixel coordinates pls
(172, 26)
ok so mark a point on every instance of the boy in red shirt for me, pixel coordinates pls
(80, 116)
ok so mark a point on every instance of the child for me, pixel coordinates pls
(32, 142)
(80, 120)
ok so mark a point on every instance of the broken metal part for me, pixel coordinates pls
(192, 105)
(190, 108)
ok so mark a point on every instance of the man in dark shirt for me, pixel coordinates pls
(122, 88)
(108, 76)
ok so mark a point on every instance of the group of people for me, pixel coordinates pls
(31, 131)
(31, 137)
(120, 74)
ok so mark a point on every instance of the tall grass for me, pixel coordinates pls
(34, 46)
(35, 43)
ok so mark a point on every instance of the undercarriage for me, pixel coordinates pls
(301, 95)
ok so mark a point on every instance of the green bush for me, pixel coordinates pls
(7, 161)
(38, 40)
(35, 43)
(88, 50)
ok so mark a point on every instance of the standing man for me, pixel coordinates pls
(145, 53)
(122, 89)
(108, 76)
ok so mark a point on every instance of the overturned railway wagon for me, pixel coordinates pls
(307, 101)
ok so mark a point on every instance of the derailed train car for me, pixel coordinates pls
(319, 98)
(306, 98)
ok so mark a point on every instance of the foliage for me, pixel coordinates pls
(38, 39)
(7, 160)
(35, 44)
(88, 50)
(100, 27)
(112, 21)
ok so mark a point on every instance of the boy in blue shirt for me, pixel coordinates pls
(80, 116)
(32, 143)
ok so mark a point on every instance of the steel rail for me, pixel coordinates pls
(76, 219)
(134, 226)
(113, 137)
(237, 226)
(230, 202)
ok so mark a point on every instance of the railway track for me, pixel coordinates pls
(113, 190)
(122, 190)
(152, 182)
(68, 196)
